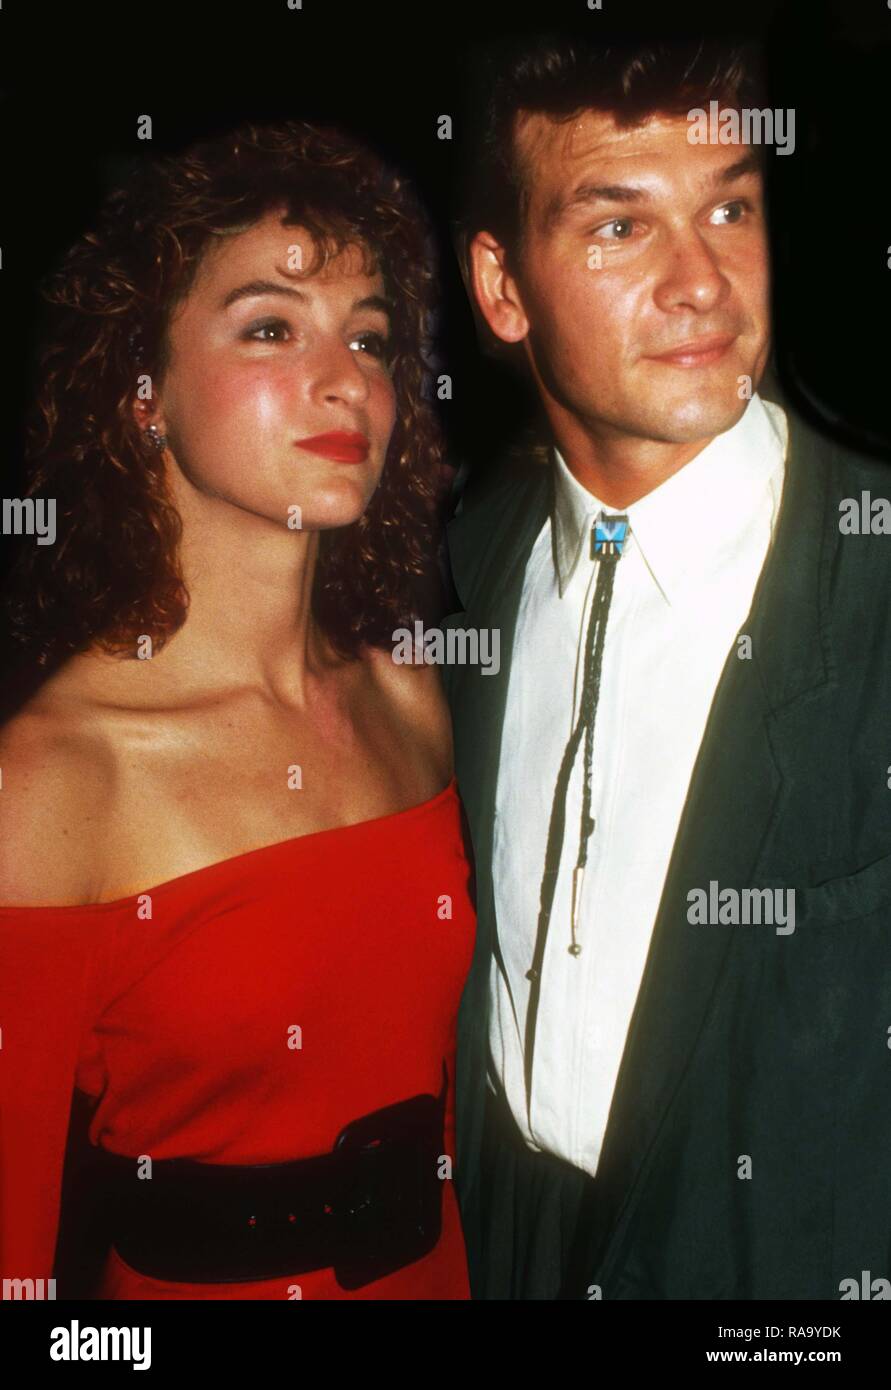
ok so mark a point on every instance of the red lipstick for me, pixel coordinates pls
(340, 446)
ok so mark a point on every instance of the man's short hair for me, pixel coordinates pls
(561, 77)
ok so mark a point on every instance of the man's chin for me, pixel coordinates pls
(692, 420)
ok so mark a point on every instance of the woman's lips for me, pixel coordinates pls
(699, 353)
(339, 446)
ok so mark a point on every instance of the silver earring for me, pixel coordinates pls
(156, 437)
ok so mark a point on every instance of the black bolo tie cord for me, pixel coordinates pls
(594, 643)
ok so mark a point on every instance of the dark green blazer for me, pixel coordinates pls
(743, 1043)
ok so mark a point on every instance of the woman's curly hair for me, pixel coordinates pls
(112, 574)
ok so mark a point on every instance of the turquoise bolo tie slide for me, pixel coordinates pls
(608, 536)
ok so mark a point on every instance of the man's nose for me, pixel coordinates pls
(692, 277)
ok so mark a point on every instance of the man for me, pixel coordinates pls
(674, 1065)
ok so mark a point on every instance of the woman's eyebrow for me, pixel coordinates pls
(375, 301)
(253, 289)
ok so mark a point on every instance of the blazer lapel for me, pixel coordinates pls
(503, 532)
(724, 832)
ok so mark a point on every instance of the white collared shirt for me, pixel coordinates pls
(683, 590)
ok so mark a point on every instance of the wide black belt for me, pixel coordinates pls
(369, 1207)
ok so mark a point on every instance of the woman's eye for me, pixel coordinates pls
(619, 229)
(377, 344)
(735, 210)
(269, 327)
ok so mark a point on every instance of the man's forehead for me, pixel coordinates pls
(573, 162)
(544, 141)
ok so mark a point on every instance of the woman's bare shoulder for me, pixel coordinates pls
(417, 696)
(53, 803)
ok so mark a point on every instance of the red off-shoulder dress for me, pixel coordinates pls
(177, 1025)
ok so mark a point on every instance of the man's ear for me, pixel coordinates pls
(495, 290)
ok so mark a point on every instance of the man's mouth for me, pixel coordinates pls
(698, 352)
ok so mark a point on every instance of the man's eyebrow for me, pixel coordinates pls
(586, 193)
(749, 164)
(255, 288)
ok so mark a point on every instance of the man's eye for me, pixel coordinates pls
(734, 211)
(377, 344)
(267, 328)
(619, 229)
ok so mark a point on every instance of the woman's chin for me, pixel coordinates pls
(341, 504)
(329, 518)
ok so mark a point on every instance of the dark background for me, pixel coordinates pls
(75, 79)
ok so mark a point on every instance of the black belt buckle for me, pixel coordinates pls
(394, 1206)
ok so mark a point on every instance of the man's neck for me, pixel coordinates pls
(622, 470)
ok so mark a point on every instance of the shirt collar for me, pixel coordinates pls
(712, 498)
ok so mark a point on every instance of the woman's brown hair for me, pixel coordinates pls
(112, 574)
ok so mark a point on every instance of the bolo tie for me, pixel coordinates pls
(609, 535)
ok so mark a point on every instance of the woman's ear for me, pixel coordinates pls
(148, 412)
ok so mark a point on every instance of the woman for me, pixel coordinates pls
(235, 895)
